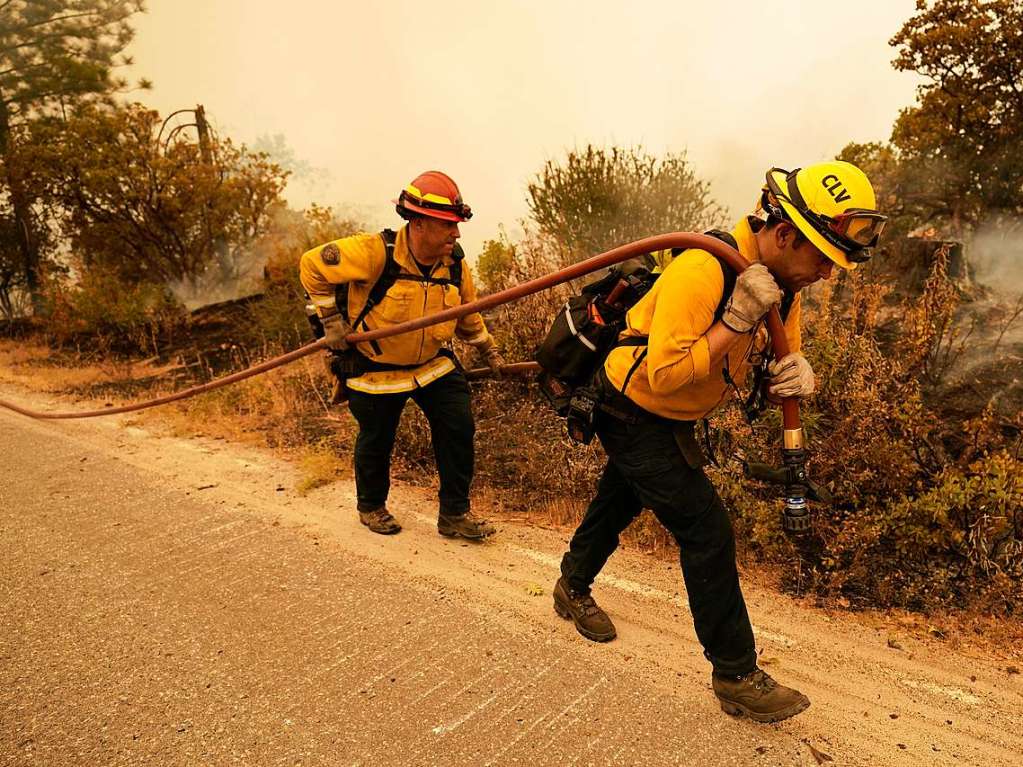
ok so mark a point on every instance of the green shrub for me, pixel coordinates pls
(915, 524)
(112, 316)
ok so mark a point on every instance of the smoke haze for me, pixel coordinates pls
(374, 93)
(996, 253)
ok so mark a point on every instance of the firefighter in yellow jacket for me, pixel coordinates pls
(685, 340)
(372, 281)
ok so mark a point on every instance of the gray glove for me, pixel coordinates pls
(791, 376)
(334, 331)
(491, 354)
(496, 362)
(754, 294)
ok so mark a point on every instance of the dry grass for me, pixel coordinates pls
(35, 366)
(14, 353)
(320, 466)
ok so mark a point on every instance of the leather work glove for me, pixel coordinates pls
(334, 331)
(491, 354)
(791, 376)
(754, 294)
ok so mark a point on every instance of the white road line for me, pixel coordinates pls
(954, 693)
(570, 707)
(781, 639)
(444, 729)
(517, 738)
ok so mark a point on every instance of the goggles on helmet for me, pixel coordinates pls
(854, 231)
(457, 207)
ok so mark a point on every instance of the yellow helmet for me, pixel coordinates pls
(832, 204)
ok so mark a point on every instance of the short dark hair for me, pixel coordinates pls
(408, 215)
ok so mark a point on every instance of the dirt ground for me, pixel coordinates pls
(172, 600)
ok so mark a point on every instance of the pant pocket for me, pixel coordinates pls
(688, 445)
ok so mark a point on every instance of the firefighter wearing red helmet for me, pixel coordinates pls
(371, 281)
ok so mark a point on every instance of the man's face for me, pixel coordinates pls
(800, 265)
(436, 238)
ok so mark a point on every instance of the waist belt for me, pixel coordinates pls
(358, 363)
(618, 406)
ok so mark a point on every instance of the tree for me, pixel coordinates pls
(962, 140)
(11, 271)
(53, 54)
(277, 148)
(496, 263)
(149, 211)
(20, 222)
(898, 186)
(601, 198)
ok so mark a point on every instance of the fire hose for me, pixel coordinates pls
(792, 474)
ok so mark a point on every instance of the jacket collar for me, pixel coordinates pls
(745, 234)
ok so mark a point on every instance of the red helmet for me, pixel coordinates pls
(432, 194)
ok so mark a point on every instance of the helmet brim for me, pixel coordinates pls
(443, 215)
(836, 254)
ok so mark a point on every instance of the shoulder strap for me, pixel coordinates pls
(387, 277)
(727, 271)
(729, 274)
(788, 296)
(456, 268)
(391, 273)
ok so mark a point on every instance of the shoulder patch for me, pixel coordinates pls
(330, 254)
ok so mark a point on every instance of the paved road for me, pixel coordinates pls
(170, 601)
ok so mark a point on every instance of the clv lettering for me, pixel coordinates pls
(834, 186)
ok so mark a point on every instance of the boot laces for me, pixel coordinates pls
(761, 680)
(586, 602)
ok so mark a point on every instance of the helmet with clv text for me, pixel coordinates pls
(432, 194)
(832, 204)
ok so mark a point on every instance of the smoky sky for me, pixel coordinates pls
(370, 94)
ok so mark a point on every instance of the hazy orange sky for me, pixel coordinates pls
(376, 92)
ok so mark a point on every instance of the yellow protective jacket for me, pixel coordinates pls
(359, 261)
(673, 376)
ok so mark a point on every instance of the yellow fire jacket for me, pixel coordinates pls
(359, 260)
(674, 379)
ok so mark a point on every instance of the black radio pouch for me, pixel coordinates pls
(581, 414)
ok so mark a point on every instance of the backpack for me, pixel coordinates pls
(588, 327)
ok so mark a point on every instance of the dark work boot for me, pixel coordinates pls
(466, 525)
(758, 696)
(590, 621)
(380, 521)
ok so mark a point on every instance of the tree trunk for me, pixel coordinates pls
(22, 216)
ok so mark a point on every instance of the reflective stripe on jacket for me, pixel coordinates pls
(675, 379)
(359, 260)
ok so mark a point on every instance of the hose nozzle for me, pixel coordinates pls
(799, 489)
(795, 518)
